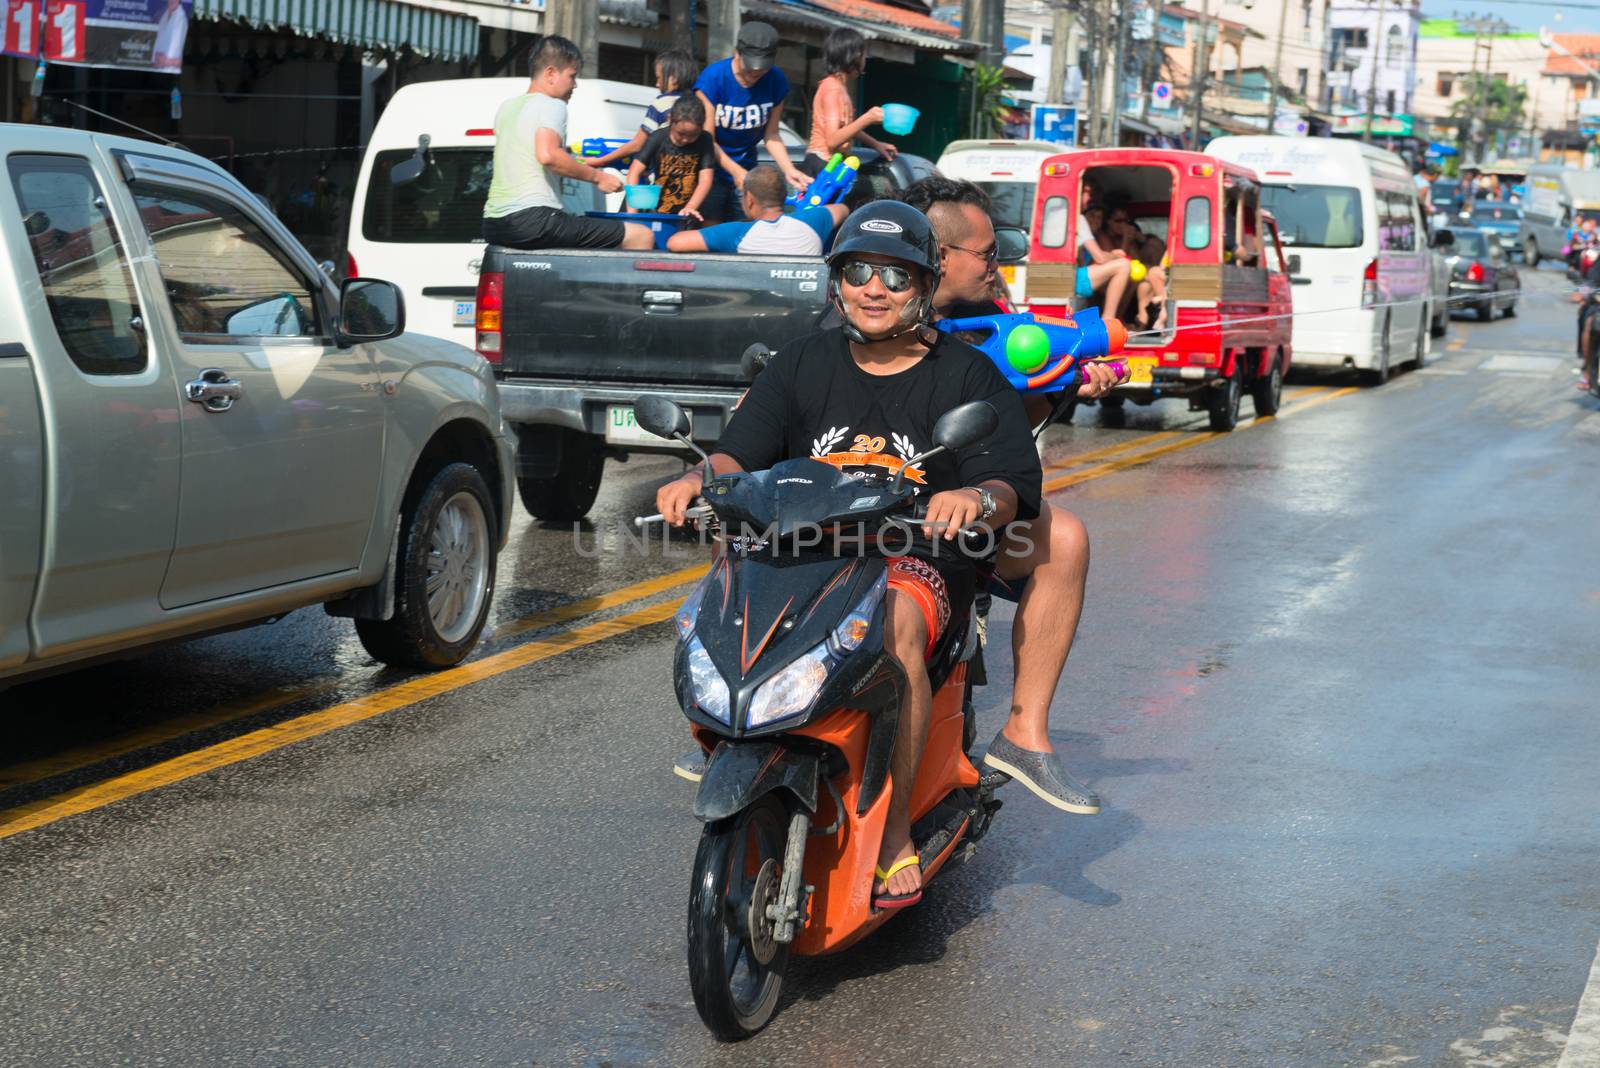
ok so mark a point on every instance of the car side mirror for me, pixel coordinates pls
(1011, 244)
(370, 310)
(1444, 239)
(413, 168)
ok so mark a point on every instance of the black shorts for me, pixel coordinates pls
(533, 228)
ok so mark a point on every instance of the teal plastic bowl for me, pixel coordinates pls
(643, 197)
(899, 118)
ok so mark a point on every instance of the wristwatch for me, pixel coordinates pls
(985, 503)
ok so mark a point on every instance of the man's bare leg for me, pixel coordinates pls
(1049, 559)
(906, 638)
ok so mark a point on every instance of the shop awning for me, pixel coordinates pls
(875, 22)
(382, 25)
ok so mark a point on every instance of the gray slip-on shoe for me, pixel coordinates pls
(1043, 774)
(691, 765)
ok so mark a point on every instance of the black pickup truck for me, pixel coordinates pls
(583, 334)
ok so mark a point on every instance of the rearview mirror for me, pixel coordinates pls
(1444, 239)
(412, 169)
(754, 361)
(1011, 244)
(370, 310)
(966, 425)
(660, 416)
(36, 223)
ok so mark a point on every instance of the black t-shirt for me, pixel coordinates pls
(813, 400)
(676, 168)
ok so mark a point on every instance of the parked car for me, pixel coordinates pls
(1224, 256)
(203, 431)
(1482, 276)
(1501, 218)
(1009, 172)
(1357, 246)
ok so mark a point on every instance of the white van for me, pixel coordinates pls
(1009, 172)
(1357, 247)
(1559, 199)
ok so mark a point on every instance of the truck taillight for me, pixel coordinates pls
(350, 270)
(1475, 272)
(1369, 285)
(491, 302)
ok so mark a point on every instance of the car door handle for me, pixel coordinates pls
(213, 390)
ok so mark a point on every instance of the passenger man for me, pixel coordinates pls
(884, 373)
(744, 97)
(530, 158)
(1043, 564)
(768, 230)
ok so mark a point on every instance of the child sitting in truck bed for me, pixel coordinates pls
(676, 71)
(680, 157)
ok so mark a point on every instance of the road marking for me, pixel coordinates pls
(75, 759)
(403, 695)
(1583, 1041)
(1113, 466)
(257, 743)
(1455, 346)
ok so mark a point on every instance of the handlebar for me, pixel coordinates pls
(698, 512)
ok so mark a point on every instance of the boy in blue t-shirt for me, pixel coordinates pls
(744, 97)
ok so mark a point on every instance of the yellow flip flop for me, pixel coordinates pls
(897, 901)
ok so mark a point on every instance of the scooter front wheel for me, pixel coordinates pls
(735, 965)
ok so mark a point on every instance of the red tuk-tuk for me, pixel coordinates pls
(1227, 328)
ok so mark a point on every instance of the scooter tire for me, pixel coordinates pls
(735, 994)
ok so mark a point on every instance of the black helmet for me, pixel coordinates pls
(896, 230)
(888, 228)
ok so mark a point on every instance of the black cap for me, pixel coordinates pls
(758, 44)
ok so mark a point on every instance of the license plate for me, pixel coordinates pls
(1139, 368)
(466, 313)
(621, 429)
(1008, 271)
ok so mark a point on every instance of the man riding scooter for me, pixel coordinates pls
(864, 397)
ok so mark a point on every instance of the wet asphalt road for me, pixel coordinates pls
(1336, 682)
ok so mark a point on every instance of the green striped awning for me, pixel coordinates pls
(377, 24)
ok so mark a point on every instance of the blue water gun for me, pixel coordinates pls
(831, 186)
(595, 147)
(1035, 352)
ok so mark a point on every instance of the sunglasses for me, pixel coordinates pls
(990, 258)
(895, 279)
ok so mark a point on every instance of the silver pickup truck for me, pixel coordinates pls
(199, 430)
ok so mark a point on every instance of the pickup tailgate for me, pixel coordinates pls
(649, 317)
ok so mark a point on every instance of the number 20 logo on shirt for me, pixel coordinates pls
(64, 31)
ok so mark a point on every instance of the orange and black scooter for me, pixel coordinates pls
(781, 669)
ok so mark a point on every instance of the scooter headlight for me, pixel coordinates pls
(791, 690)
(709, 687)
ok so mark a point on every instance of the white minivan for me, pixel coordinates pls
(1357, 247)
(1009, 172)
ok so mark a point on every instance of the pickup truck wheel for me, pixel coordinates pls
(1224, 403)
(444, 575)
(569, 494)
(1267, 390)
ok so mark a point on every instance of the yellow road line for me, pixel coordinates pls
(256, 743)
(1150, 439)
(1113, 466)
(74, 759)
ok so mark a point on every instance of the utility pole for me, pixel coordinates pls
(1060, 51)
(1376, 34)
(1200, 73)
(1089, 123)
(1119, 79)
(1277, 64)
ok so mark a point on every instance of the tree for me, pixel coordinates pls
(989, 106)
(1489, 108)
